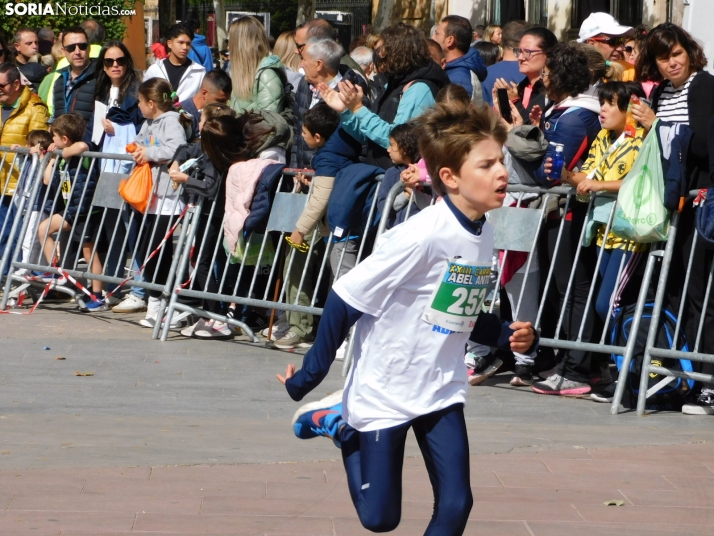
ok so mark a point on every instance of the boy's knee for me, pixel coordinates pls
(456, 508)
(383, 520)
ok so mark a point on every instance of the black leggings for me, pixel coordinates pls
(373, 462)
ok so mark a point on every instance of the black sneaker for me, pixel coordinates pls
(523, 376)
(703, 406)
(605, 394)
(486, 366)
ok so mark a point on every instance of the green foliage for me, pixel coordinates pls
(115, 29)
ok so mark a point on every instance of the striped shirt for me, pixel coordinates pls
(672, 105)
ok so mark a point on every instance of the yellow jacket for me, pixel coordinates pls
(31, 114)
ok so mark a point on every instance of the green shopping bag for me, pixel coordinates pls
(250, 255)
(640, 214)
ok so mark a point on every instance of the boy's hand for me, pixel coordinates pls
(15, 146)
(289, 373)
(522, 338)
(589, 185)
(302, 179)
(75, 149)
(297, 237)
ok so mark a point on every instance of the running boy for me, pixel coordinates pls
(415, 300)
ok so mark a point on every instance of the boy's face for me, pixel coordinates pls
(481, 182)
(60, 141)
(209, 94)
(179, 46)
(611, 117)
(394, 153)
(313, 141)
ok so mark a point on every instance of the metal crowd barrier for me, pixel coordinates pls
(519, 229)
(273, 275)
(667, 278)
(17, 168)
(108, 220)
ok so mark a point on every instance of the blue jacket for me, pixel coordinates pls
(351, 200)
(459, 70)
(340, 151)
(263, 199)
(200, 52)
(78, 204)
(576, 128)
(126, 113)
(674, 141)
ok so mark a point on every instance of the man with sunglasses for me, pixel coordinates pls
(74, 88)
(602, 31)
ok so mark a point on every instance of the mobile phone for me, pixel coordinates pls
(504, 103)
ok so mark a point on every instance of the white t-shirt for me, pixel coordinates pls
(403, 366)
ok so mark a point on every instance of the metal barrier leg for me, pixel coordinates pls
(654, 321)
(629, 349)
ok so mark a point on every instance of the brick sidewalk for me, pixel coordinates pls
(665, 489)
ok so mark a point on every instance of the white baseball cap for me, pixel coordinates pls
(601, 23)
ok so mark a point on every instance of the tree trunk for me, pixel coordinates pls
(305, 11)
(384, 14)
(221, 29)
(167, 16)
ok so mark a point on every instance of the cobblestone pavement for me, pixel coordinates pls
(193, 437)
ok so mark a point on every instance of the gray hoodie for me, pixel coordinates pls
(162, 136)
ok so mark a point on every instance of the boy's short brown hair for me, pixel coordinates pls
(71, 125)
(449, 131)
(43, 137)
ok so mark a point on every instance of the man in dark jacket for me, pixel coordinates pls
(321, 61)
(74, 88)
(464, 65)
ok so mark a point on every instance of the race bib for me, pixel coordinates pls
(65, 184)
(457, 300)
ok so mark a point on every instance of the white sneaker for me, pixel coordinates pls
(280, 328)
(342, 350)
(112, 300)
(214, 329)
(131, 304)
(152, 312)
(191, 330)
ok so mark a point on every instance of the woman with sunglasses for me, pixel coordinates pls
(685, 96)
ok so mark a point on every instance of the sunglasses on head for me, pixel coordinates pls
(81, 46)
(121, 61)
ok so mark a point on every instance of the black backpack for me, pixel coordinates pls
(671, 396)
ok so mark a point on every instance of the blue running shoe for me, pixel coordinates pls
(321, 418)
(93, 306)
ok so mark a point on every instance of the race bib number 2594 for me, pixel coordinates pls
(459, 295)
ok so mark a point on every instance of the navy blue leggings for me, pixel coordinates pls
(374, 461)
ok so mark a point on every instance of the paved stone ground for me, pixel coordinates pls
(192, 437)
